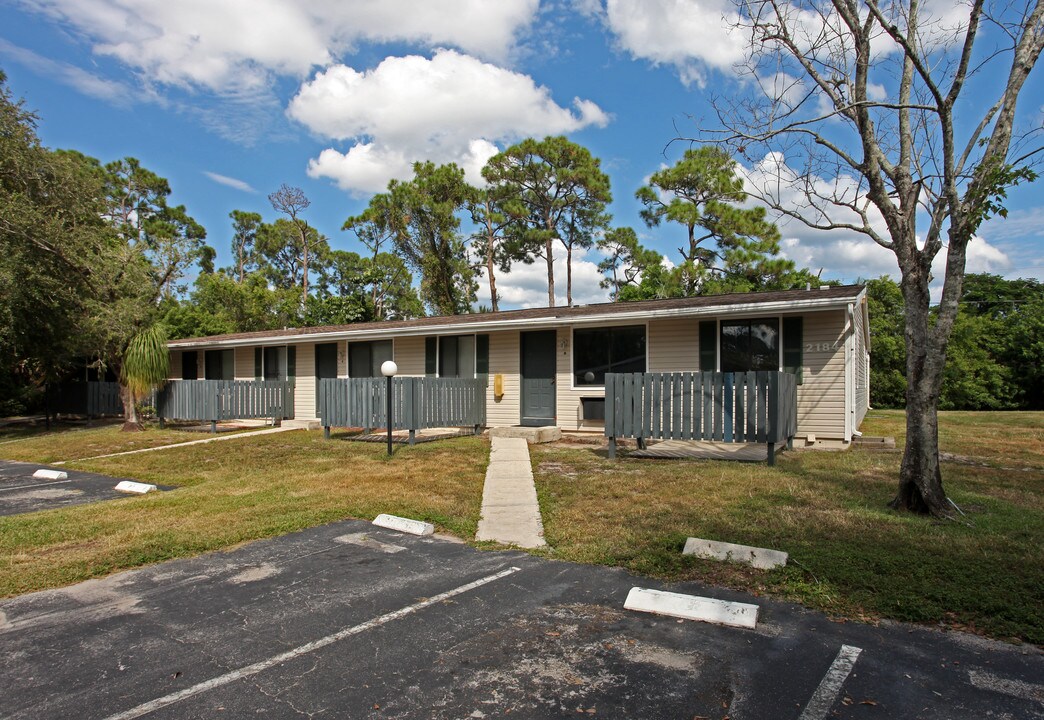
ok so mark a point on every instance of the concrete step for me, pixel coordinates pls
(304, 424)
(532, 435)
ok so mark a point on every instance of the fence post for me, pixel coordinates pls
(215, 398)
(610, 412)
(773, 416)
(159, 408)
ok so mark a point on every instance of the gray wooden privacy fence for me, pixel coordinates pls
(417, 403)
(751, 407)
(103, 398)
(90, 398)
(216, 400)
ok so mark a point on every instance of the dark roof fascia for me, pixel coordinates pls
(539, 318)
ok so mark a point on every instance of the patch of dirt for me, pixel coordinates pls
(554, 468)
(45, 494)
(976, 462)
(589, 440)
(254, 574)
(569, 659)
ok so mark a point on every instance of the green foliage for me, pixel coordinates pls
(335, 310)
(490, 241)
(50, 230)
(426, 226)
(995, 357)
(393, 296)
(626, 262)
(218, 304)
(146, 363)
(973, 378)
(1011, 331)
(280, 252)
(136, 209)
(552, 190)
(728, 248)
(88, 251)
(245, 226)
(887, 348)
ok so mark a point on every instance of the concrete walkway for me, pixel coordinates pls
(219, 438)
(510, 512)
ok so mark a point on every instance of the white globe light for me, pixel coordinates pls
(389, 368)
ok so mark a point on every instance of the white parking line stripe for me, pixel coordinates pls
(1016, 688)
(829, 687)
(34, 485)
(166, 700)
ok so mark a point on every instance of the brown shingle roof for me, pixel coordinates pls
(608, 310)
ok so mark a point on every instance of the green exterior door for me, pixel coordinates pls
(538, 378)
(325, 367)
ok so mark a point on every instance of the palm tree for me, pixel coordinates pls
(146, 364)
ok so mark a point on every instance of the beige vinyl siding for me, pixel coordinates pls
(504, 359)
(244, 363)
(304, 383)
(175, 365)
(408, 353)
(674, 345)
(821, 397)
(567, 398)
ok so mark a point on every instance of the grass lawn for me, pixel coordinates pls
(34, 444)
(236, 491)
(850, 555)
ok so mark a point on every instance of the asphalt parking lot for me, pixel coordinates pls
(352, 621)
(20, 492)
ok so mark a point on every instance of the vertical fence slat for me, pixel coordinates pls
(718, 407)
(686, 383)
(727, 396)
(741, 394)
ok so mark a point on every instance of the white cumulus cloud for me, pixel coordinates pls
(525, 286)
(233, 45)
(691, 35)
(449, 108)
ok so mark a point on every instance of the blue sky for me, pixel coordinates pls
(230, 99)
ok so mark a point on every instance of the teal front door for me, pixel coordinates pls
(538, 378)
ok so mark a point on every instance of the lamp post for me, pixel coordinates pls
(388, 370)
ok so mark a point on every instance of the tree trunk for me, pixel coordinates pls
(304, 274)
(492, 276)
(549, 251)
(131, 422)
(569, 276)
(920, 477)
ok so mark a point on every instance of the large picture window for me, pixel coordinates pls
(219, 365)
(365, 358)
(597, 351)
(748, 345)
